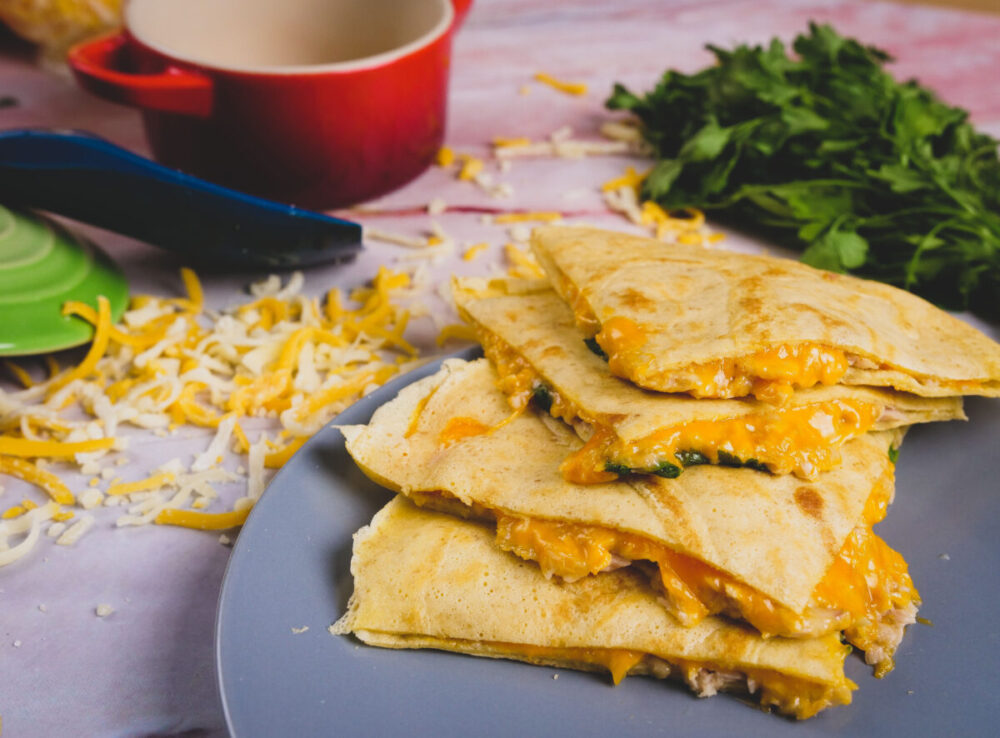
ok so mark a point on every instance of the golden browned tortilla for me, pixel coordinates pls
(528, 333)
(723, 324)
(789, 556)
(427, 580)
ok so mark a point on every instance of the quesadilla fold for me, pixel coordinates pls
(792, 558)
(721, 324)
(529, 335)
(427, 580)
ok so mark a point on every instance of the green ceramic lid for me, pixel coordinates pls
(42, 265)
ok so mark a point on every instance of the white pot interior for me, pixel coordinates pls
(276, 36)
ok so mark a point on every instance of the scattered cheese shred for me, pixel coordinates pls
(19, 374)
(474, 250)
(631, 178)
(456, 332)
(471, 166)
(98, 346)
(51, 449)
(522, 263)
(501, 143)
(196, 296)
(445, 157)
(570, 88)
(31, 473)
(157, 481)
(545, 216)
(202, 521)
(76, 531)
(278, 458)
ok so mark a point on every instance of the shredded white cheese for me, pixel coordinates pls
(76, 531)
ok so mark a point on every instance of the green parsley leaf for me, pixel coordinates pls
(827, 152)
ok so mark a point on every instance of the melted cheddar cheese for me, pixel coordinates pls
(770, 375)
(803, 440)
(866, 581)
(460, 427)
(520, 382)
(618, 661)
(789, 695)
(573, 551)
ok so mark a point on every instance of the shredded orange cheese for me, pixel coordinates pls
(522, 263)
(142, 485)
(202, 521)
(471, 166)
(169, 363)
(51, 449)
(19, 373)
(474, 250)
(99, 345)
(445, 157)
(545, 216)
(570, 88)
(502, 143)
(456, 332)
(48, 481)
(631, 179)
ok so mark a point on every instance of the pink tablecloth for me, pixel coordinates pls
(148, 669)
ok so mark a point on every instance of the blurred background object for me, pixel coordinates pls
(55, 25)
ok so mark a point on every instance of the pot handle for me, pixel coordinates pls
(461, 10)
(97, 65)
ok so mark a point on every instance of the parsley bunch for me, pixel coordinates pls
(828, 153)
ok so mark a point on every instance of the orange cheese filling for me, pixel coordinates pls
(866, 580)
(803, 440)
(771, 375)
(618, 661)
(789, 695)
(458, 428)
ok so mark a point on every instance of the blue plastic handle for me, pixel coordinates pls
(86, 178)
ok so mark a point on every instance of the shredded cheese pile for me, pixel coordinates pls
(470, 168)
(170, 363)
(687, 226)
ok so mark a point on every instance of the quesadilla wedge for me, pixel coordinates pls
(722, 324)
(792, 558)
(427, 580)
(529, 335)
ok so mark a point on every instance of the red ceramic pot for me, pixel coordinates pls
(318, 103)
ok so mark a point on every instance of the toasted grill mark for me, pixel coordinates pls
(634, 299)
(666, 505)
(809, 502)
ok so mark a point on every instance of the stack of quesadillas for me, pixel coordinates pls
(670, 462)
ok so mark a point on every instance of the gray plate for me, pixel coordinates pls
(290, 568)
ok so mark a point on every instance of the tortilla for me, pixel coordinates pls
(738, 541)
(671, 318)
(528, 333)
(427, 580)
